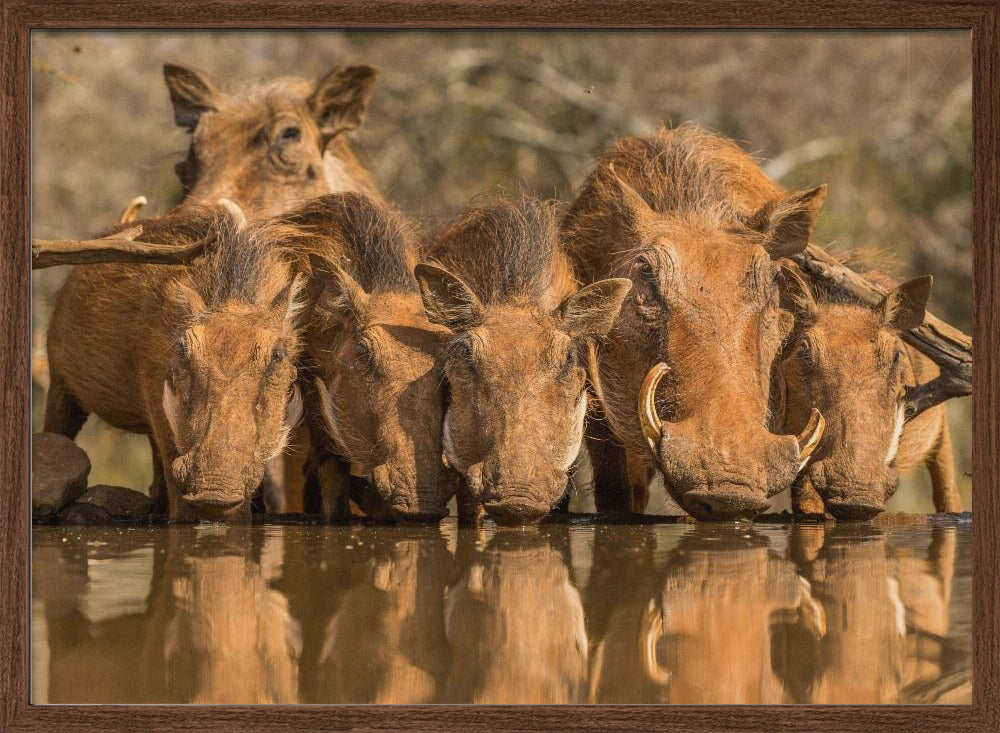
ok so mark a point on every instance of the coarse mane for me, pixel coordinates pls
(371, 240)
(687, 171)
(505, 251)
(242, 259)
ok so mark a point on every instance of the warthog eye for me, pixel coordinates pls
(290, 134)
(277, 357)
(805, 351)
(895, 360)
(568, 364)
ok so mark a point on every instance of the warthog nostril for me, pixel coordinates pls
(214, 499)
(721, 505)
(515, 513)
(854, 510)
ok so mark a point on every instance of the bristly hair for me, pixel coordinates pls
(372, 241)
(687, 170)
(505, 251)
(241, 261)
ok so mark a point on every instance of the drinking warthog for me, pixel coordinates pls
(849, 361)
(273, 145)
(199, 357)
(373, 360)
(697, 227)
(504, 288)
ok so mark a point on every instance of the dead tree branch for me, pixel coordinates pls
(119, 247)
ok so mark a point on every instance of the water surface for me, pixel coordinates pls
(660, 613)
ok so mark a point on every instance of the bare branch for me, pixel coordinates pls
(120, 247)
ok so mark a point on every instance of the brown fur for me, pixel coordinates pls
(385, 642)
(503, 286)
(504, 648)
(849, 360)
(272, 145)
(219, 333)
(696, 225)
(379, 405)
(699, 628)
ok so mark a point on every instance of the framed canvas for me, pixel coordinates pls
(73, 619)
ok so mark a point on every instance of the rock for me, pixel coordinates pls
(59, 470)
(120, 503)
(90, 514)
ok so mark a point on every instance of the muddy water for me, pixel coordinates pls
(665, 613)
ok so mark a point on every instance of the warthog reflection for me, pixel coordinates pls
(422, 614)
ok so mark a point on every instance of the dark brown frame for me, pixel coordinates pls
(19, 17)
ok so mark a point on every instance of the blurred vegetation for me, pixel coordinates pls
(883, 118)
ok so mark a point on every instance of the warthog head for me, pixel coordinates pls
(264, 146)
(850, 362)
(375, 358)
(228, 394)
(698, 336)
(515, 366)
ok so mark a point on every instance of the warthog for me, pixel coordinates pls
(849, 361)
(697, 227)
(373, 359)
(199, 357)
(272, 145)
(504, 288)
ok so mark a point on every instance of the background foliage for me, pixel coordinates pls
(883, 118)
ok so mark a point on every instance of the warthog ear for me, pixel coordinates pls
(447, 300)
(795, 295)
(904, 307)
(340, 294)
(341, 99)
(188, 300)
(592, 310)
(788, 222)
(631, 206)
(285, 304)
(191, 92)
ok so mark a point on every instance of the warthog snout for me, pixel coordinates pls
(212, 493)
(723, 476)
(399, 491)
(852, 497)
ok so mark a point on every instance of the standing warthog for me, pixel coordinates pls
(515, 366)
(697, 227)
(272, 145)
(373, 360)
(849, 361)
(200, 358)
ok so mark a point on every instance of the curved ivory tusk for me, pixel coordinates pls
(648, 419)
(811, 435)
(132, 210)
(652, 632)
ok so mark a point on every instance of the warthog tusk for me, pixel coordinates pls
(652, 632)
(810, 437)
(648, 419)
(132, 210)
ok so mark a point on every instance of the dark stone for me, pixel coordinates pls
(120, 503)
(77, 513)
(59, 470)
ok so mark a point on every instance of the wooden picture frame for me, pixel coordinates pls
(20, 17)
